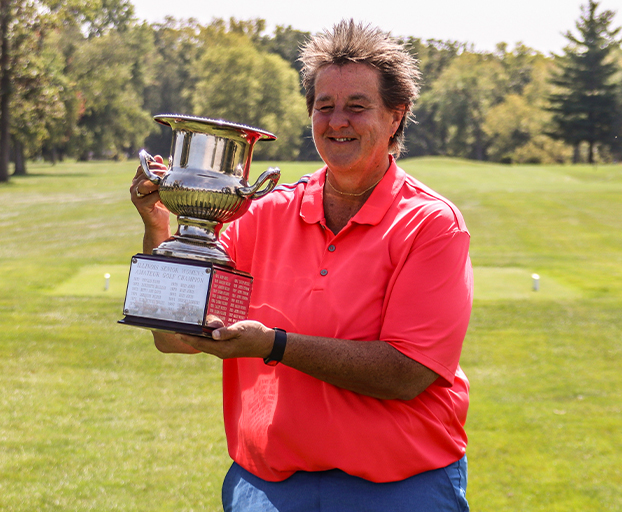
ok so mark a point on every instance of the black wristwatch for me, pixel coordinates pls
(278, 349)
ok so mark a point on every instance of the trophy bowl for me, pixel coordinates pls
(206, 183)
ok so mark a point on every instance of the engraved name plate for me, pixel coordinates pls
(167, 290)
(230, 296)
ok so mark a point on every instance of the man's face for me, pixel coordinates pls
(351, 125)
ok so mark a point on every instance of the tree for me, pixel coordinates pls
(93, 17)
(109, 76)
(107, 57)
(516, 131)
(286, 42)
(516, 127)
(37, 106)
(5, 87)
(585, 104)
(177, 47)
(461, 98)
(21, 24)
(428, 136)
(32, 86)
(238, 82)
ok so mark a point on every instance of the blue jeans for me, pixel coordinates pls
(439, 490)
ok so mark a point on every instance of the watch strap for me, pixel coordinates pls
(278, 349)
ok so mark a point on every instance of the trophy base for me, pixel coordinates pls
(153, 324)
(183, 295)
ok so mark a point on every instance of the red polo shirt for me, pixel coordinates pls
(398, 272)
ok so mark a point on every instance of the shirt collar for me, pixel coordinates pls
(374, 209)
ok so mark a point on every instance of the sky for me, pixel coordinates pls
(538, 24)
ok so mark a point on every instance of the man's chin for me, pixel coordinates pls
(344, 159)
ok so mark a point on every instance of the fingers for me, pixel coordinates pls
(213, 322)
(224, 349)
(203, 344)
(242, 339)
(141, 186)
(245, 330)
(141, 191)
(157, 165)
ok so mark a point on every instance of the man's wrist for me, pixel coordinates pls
(153, 238)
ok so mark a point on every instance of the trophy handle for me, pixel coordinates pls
(145, 158)
(273, 174)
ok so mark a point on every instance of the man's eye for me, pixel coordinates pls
(357, 108)
(324, 108)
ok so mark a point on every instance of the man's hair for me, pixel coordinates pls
(349, 42)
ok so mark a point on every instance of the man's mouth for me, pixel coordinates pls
(342, 139)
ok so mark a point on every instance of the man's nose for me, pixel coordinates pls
(339, 119)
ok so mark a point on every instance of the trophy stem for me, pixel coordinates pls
(196, 239)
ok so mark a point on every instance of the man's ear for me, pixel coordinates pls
(398, 115)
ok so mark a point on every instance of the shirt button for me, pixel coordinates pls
(331, 248)
(323, 272)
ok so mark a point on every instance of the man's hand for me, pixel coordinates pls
(146, 199)
(242, 339)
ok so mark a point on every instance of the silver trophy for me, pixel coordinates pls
(189, 279)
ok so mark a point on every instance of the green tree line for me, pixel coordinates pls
(83, 78)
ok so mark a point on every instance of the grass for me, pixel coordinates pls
(94, 418)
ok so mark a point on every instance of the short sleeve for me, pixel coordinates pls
(429, 303)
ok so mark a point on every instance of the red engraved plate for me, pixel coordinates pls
(230, 296)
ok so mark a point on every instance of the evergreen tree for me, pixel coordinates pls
(585, 104)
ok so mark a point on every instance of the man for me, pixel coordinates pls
(356, 401)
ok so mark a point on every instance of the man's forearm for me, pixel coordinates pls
(372, 368)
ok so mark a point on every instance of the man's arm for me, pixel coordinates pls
(155, 217)
(372, 368)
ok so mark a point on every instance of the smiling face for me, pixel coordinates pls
(351, 125)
